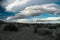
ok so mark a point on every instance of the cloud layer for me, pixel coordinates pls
(16, 3)
(36, 10)
(13, 5)
(40, 20)
(39, 9)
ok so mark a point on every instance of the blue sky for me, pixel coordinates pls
(14, 12)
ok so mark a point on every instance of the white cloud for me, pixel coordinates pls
(37, 10)
(48, 19)
(37, 20)
(40, 20)
(16, 5)
(11, 6)
(24, 21)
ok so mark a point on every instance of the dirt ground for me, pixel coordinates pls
(23, 34)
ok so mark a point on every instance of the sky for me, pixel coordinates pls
(30, 11)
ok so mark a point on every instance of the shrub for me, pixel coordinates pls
(10, 27)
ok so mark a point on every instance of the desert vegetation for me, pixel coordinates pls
(40, 29)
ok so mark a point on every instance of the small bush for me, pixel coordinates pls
(57, 36)
(43, 32)
(10, 27)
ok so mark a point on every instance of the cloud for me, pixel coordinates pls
(35, 20)
(14, 4)
(36, 2)
(40, 20)
(48, 18)
(1, 0)
(37, 10)
(40, 9)
(25, 21)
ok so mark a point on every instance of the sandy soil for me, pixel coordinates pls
(23, 34)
